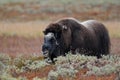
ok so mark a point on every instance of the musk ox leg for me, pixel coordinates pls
(97, 54)
(73, 51)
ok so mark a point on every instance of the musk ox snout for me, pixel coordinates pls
(50, 45)
(47, 48)
(45, 51)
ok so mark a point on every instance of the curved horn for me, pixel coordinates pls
(64, 27)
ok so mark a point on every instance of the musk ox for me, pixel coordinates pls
(89, 37)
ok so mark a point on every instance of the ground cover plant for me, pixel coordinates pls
(69, 67)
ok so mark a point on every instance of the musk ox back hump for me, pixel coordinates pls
(101, 33)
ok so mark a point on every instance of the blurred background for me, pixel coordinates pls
(22, 21)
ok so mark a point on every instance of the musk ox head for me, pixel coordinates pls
(57, 38)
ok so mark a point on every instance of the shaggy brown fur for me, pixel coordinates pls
(88, 37)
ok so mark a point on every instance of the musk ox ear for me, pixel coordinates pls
(64, 27)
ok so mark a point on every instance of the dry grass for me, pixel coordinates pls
(35, 28)
(113, 28)
(24, 29)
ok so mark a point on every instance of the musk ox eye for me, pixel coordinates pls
(58, 35)
(52, 40)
